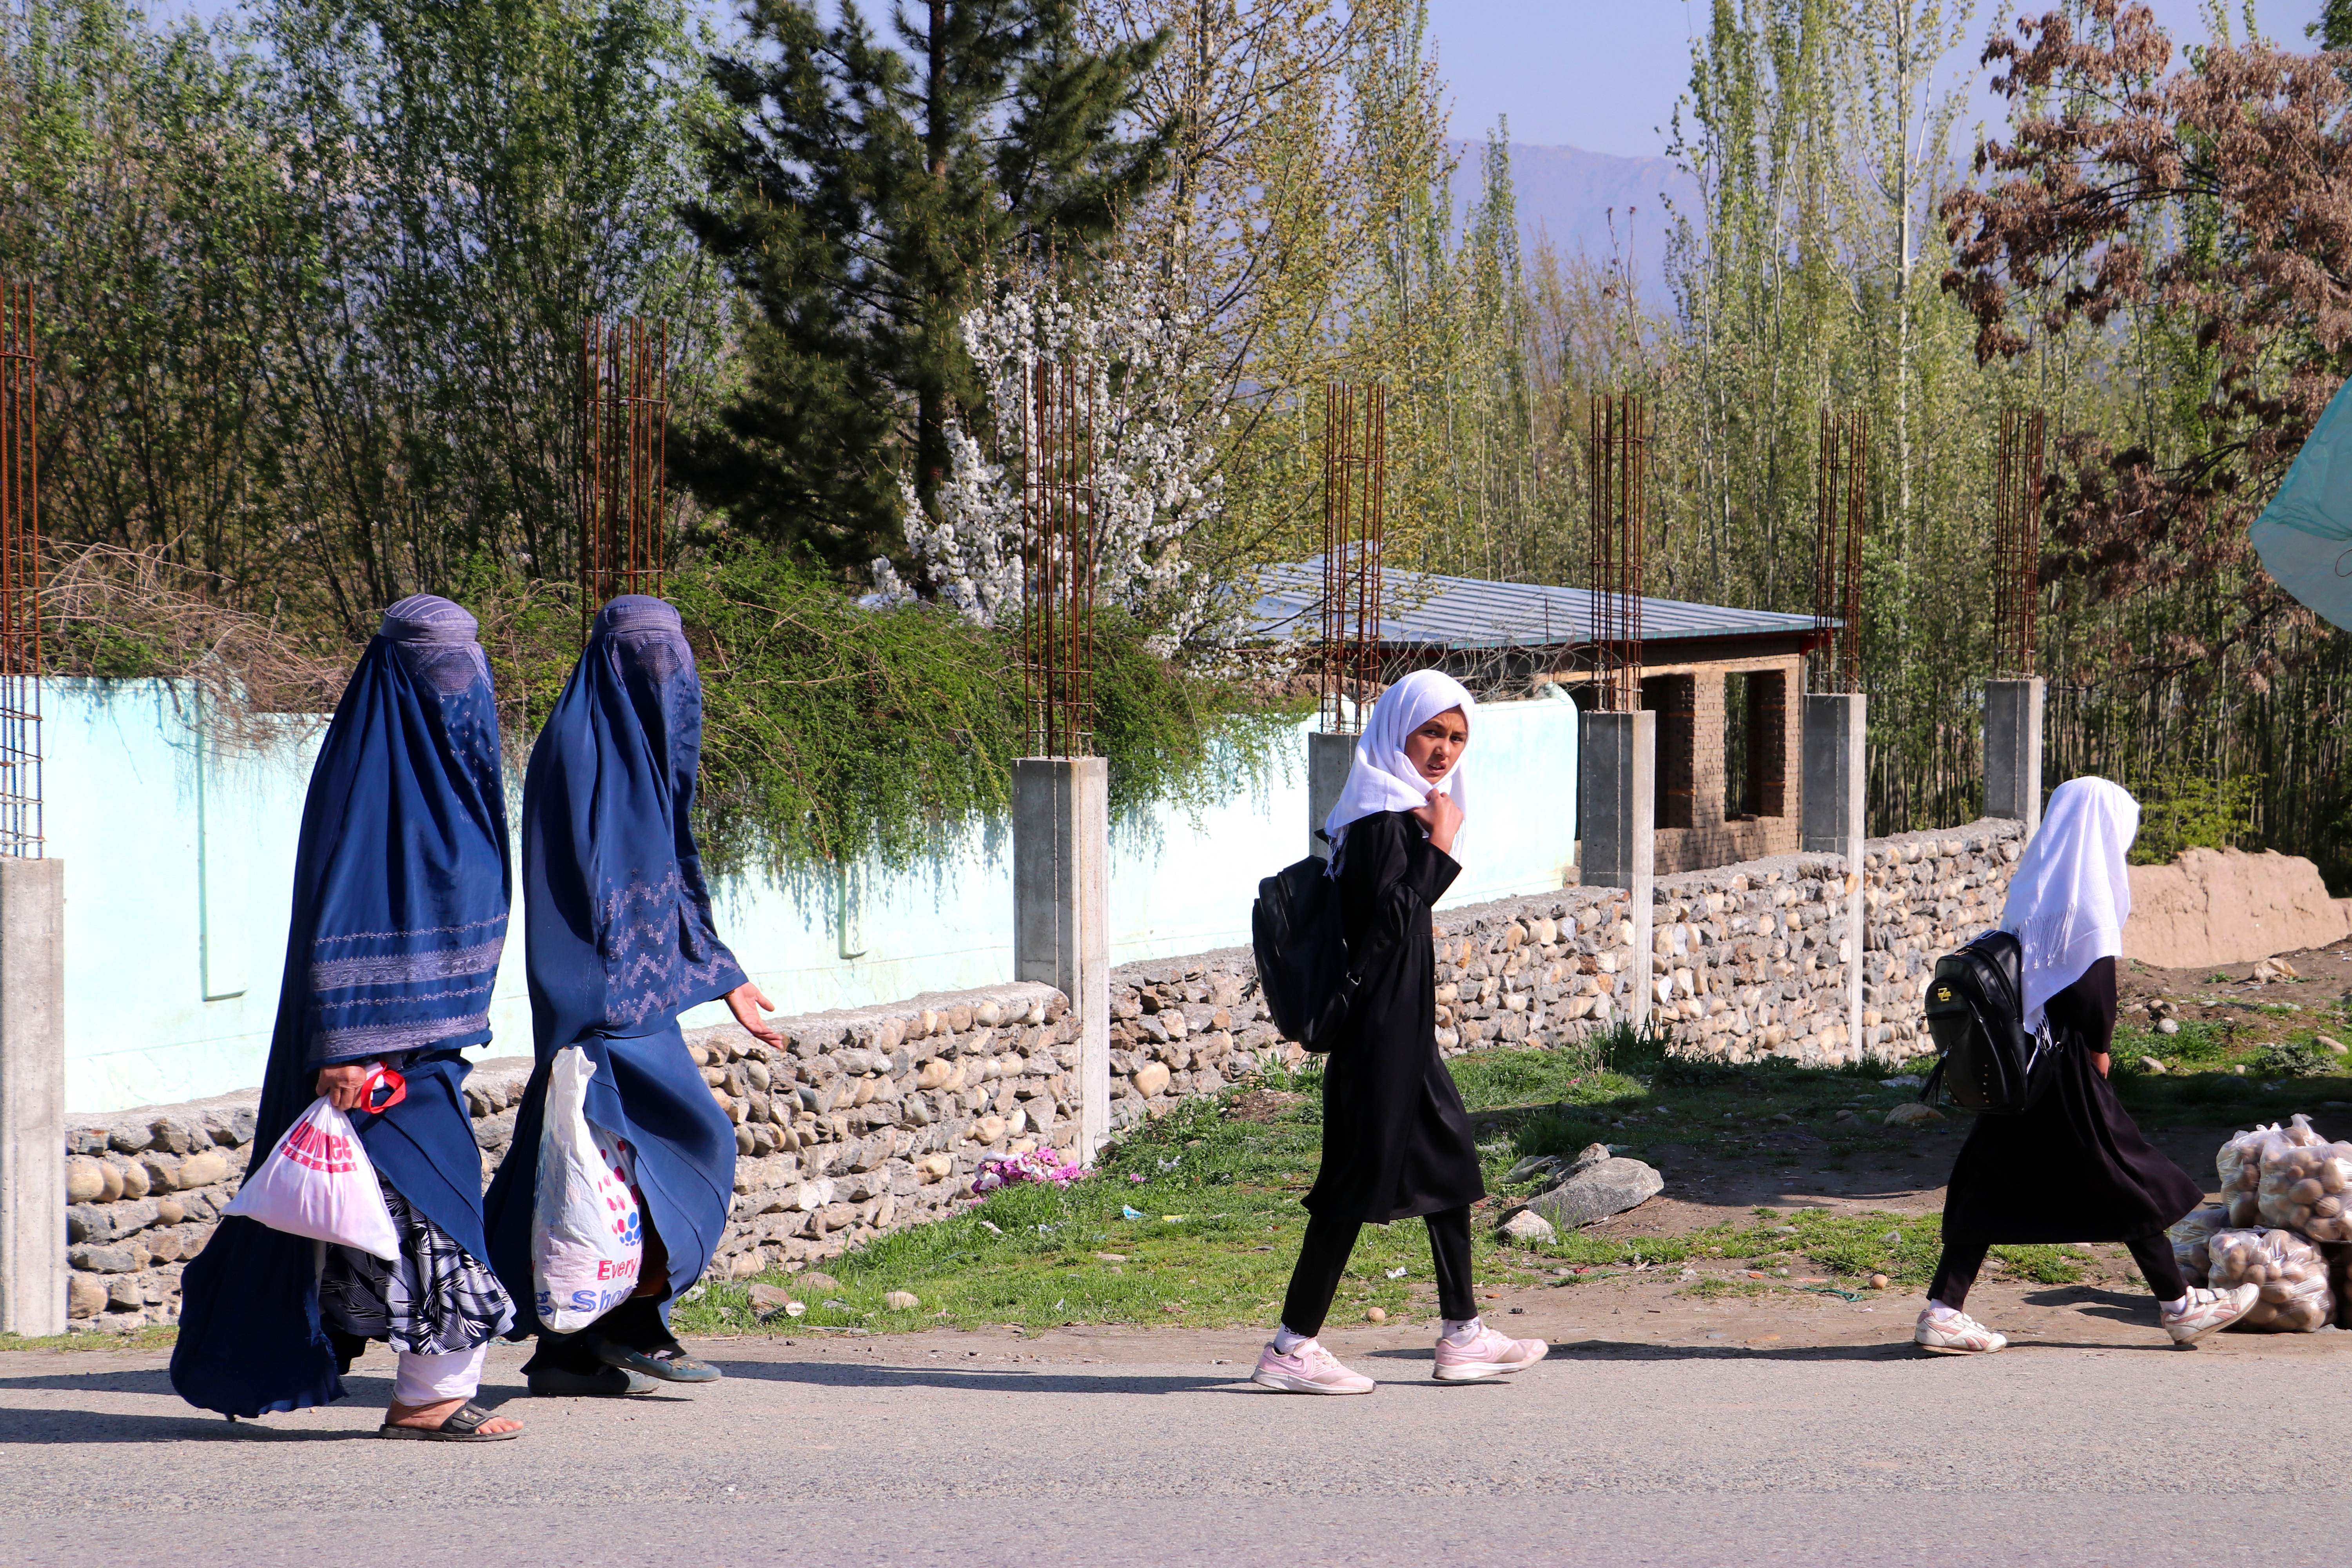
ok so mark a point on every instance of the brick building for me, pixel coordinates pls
(1725, 684)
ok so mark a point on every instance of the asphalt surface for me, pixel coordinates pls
(1662, 1431)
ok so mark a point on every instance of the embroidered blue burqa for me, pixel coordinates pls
(399, 911)
(618, 940)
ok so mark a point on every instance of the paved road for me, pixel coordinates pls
(1663, 1433)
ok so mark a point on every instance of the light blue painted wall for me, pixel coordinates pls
(179, 860)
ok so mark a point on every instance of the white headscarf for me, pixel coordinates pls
(1383, 778)
(2072, 891)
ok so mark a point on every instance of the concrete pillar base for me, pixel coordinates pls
(31, 1097)
(2012, 750)
(1329, 760)
(1617, 762)
(1837, 729)
(1061, 912)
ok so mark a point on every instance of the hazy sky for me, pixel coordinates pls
(1604, 74)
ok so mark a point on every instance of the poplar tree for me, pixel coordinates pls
(858, 192)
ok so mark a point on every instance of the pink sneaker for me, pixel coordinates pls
(1309, 1369)
(1489, 1354)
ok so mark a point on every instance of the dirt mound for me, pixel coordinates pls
(2225, 905)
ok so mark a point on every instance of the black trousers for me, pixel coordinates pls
(1323, 1258)
(1964, 1255)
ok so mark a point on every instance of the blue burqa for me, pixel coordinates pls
(399, 911)
(618, 940)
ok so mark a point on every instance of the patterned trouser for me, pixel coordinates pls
(433, 1299)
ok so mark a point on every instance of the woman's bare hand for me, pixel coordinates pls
(747, 1002)
(1441, 817)
(346, 1086)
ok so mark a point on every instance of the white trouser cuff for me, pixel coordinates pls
(430, 1379)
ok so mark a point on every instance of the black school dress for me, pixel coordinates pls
(1396, 1140)
(2075, 1167)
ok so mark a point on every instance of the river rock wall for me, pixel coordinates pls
(871, 1119)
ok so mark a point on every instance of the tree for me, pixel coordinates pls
(1128, 340)
(2215, 206)
(465, 185)
(858, 194)
(315, 290)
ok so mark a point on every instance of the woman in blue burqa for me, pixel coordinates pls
(400, 912)
(618, 942)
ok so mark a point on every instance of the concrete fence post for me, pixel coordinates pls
(1329, 760)
(1617, 758)
(31, 1097)
(1837, 729)
(2012, 750)
(1061, 914)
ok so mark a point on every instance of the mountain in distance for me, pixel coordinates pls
(1568, 194)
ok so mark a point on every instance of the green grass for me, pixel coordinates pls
(152, 1337)
(1220, 1222)
(1219, 1228)
(2200, 1082)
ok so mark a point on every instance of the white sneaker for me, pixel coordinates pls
(2208, 1311)
(1958, 1334)
(1307, 1369)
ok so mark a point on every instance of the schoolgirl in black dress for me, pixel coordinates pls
(2073, 1166)
(1396, 1142)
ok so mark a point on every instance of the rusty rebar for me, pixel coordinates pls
(2017, 539)
(1619, 459)
(1355, 495)
(1057, 561)
(20, 576)
(623, 491)
(1842, 506)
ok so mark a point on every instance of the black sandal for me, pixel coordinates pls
(669, 1363)
(462, 1425)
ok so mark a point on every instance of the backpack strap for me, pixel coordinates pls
(1935, 1081)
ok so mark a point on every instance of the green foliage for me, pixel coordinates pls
(835, 734)
(2179, 810)
(2293, 1059)
(856, 193)
(312, 282)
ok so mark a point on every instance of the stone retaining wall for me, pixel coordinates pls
(875, 1119)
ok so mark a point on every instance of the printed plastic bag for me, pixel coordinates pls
(2239, 1166)
(2190, 1238)
(2304, 1182)
(587, 1230)
(319, 1181)
(2290, 1271)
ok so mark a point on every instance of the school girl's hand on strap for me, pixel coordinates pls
(1442, 817)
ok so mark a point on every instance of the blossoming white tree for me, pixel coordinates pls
(1129, 345)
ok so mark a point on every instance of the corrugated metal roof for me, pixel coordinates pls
(1423, 609)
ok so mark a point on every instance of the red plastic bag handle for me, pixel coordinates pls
(383, 1078)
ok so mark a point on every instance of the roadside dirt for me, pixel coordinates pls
(1628, 1315)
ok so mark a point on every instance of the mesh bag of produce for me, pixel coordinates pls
(2240, 1167)
(2189, 1238)
(2289, 1272)
(2304, 1182)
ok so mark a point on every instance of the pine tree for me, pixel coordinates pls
(858, 192)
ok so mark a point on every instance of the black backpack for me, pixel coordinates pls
(1976, 1011)
(1302, 956)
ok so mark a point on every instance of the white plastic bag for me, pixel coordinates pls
(2190, 1238)
(587, 1233)
(2292, 1276)
(2239, 1164)
(2304, 1182)
(319, 1181)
